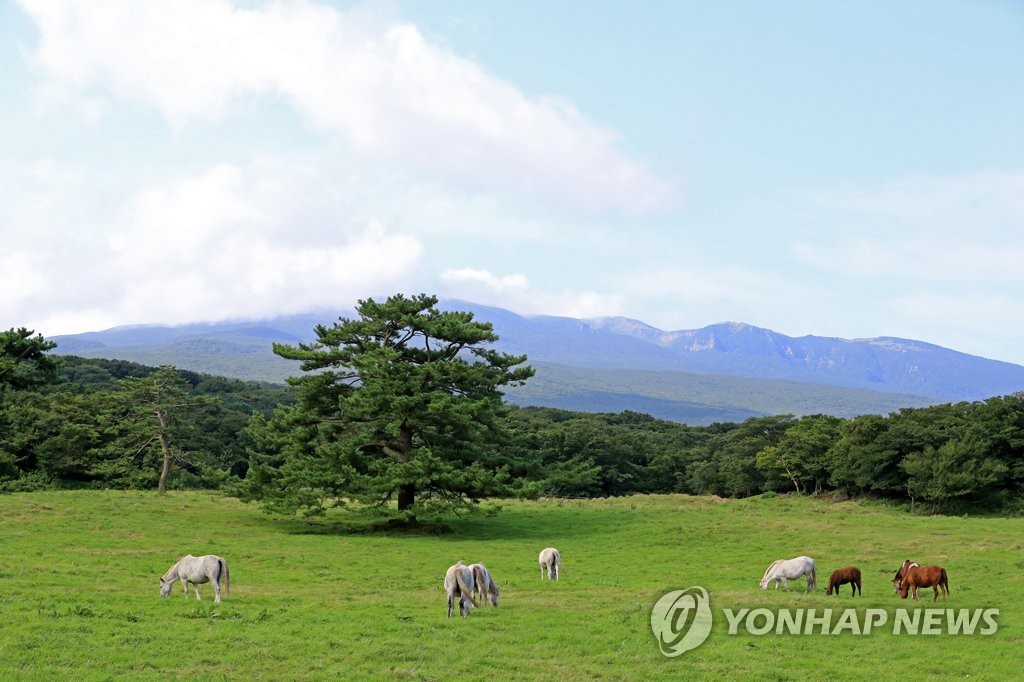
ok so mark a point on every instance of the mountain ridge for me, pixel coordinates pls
(598, 364)
(886, 363)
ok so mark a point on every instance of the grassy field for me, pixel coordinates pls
(79, 591)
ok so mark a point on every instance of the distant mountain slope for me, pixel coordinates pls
(697, 399)
(723, 372)
(881, 364)
(240, 353)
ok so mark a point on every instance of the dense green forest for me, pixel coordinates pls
(77, 422)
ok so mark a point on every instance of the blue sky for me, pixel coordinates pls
(841, 169)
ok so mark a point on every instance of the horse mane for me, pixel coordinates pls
(167, 576)
(904, 567)
(770, 567)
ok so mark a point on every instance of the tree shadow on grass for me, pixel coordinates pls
(548, 524)
(393, 527)
(369, 525)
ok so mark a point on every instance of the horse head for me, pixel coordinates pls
(165, 587)
(901, 573)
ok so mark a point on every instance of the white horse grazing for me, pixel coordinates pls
(484, 584)
(790, 569)
(196, 570)
(551, 563)
(459, 580)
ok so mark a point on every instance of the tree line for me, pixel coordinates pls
(401, 409)
(70, 422)
(966, 456)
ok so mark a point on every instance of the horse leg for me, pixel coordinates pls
(216, 591)
(184, 586)
(451, 604)
(785, 584)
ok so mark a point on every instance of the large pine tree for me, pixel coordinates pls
(398, 405)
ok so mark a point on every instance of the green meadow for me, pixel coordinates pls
(79, 590)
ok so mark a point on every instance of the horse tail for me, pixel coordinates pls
(225, 573)
(479, 583)
(464, 589)
(944, 580)
(558, 560)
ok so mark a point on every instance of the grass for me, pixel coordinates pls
(79, 591)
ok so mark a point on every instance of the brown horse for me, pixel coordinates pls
(934, 577)
(842, 576)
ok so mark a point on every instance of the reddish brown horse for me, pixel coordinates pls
(914, 576)
(842, 576)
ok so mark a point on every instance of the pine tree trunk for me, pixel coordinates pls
(406, 496)
(406, 491)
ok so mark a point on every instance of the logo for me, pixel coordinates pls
(681, 620)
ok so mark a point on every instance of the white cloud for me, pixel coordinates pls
(978, 322)
(961, 204)
(908, 258)
(969, 309)
(21, 280)
(966, 229)
(721, 286)
(222, 243)
(382, 87)
(514, 292)
(509, 284)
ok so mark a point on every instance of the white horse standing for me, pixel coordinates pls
(202, 569)
(459, 581)
(484, 584)
(790, 569)
(550, 562)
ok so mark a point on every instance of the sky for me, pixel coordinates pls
(848, 169)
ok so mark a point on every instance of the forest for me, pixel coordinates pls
(83, 423)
